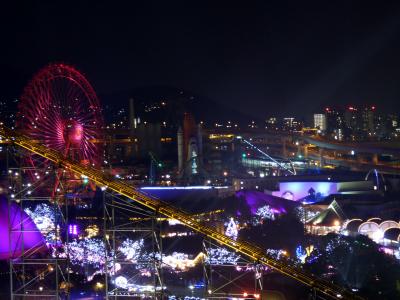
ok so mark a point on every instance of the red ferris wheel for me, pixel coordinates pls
(60, 109)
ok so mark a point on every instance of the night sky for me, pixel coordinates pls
(265, 58)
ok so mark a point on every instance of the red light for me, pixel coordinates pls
(327, 109)
(373, 107)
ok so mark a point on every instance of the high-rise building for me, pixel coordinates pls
(320, 121)
(352, 119)
(367, 117)
(271, 123)
(394, 121)
(334, 120)
(386, 126)
(291, 124)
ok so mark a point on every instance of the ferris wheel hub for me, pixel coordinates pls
(73, 132)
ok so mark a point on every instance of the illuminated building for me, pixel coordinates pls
(271, 123)
(335, 123)
(291, 124)
(352, 122)
(329, 220)
(367, 117)
(352, 119)
(320, 121)
(311, 191)
(385, 233)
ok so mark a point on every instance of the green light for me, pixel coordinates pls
(160, 165)
(85, 180)
(244, 155)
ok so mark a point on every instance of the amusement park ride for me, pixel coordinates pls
(59, 118)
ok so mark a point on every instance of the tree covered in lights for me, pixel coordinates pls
(44, 217)
(221, 256)
(132, 250)
(358, 263)
(232, 229)
(303, 214)
(87, 252)
(265, 212)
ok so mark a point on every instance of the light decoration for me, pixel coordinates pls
(232, 230)
(266, 212)
(112, 269)
(172, 222)
(221, 256)
(177, 261)
(303, 214)
(92, 231)
(287, 195)
(338, 241)
(87, 252)
(301, 254)
(181, 261)
(44, 218)
(377, 236)
(192, 187)
(132, 250)
(173, 297)
(73, 229)
(123, 283)
(276, 253)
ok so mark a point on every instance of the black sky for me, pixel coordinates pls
(265, 57)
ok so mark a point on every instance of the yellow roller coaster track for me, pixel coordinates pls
(247, 249)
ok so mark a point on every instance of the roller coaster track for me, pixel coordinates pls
(247, 249)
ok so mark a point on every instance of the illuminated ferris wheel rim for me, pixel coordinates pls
(43, 75)
(60, 109)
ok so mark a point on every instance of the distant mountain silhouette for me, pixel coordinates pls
(148, 105)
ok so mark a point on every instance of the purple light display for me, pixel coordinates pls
(27, 241)
(73, 229)
(299, 190)
(255, 200)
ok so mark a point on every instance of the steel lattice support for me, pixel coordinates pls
(37, 271)
(229, 279)
(133, 250)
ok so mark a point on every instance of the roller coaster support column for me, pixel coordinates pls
(258, 279)
(157, 261)
(207, 272)
(321, 157)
